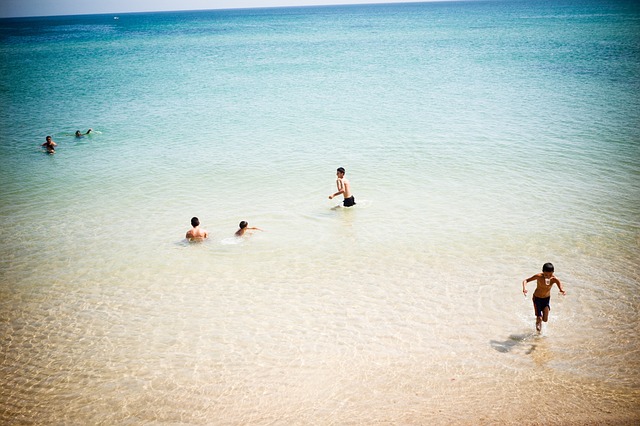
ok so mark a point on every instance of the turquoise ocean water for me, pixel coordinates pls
(481, 139)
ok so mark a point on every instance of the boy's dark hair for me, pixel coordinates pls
(341, 169)
(195, 222)
(243, 224)
(547, 267)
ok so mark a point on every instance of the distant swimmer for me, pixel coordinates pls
(49, 145)
(244, 227)
(196, 234)
(344, 188)
(79, 134)
(542, 294)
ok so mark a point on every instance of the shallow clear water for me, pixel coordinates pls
(481, 140)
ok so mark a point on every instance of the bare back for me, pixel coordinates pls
(197, 234)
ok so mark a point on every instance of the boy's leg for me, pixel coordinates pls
(538, 314)
(545, 314)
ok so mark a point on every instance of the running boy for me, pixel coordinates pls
(542, 293)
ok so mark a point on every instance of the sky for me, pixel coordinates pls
(22, 8)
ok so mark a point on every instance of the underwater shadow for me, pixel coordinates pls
(515, 342)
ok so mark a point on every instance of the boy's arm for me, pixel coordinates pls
(524, 283)
(340, 186)
(559, 284)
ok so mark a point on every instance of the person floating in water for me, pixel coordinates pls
(50, 145)
(196, 234)
(244, 227)
(79, 134)
(542, 293)
(344, 188)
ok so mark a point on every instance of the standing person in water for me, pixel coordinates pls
(344, 188)
(244, 227)
(542, 294)
(49, 145)
(196, 234)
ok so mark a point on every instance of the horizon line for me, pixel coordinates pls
(338, 3)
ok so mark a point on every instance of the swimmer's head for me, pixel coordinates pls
(78, 133)
(547, 267)
(341, 170)
(243, 224)
(195, 222)
(48, 138)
